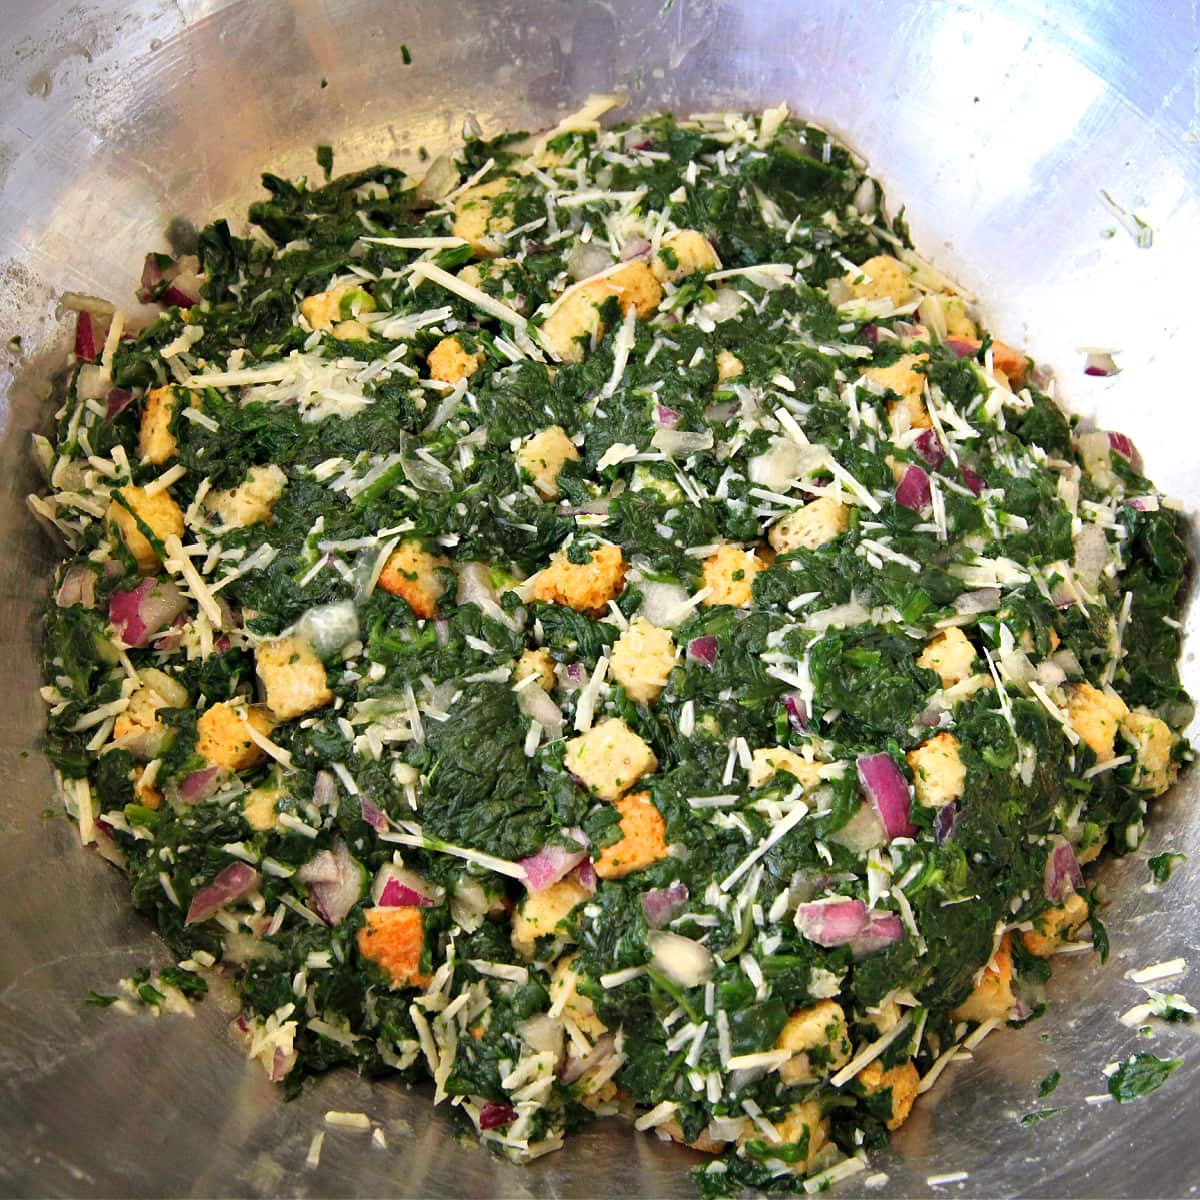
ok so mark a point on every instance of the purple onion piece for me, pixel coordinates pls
(231, 884)
(975, 482)
(663, 905)
(887, 789)
(797, 711)
(947, 818)
(1062, 876)
(914, 491)
(87, 338)
(929, 446)
(495, 1116)
(702, 650)
(882, 929)
(1121, 445)
(832, 922)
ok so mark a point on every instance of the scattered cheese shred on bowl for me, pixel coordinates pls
(624, 636)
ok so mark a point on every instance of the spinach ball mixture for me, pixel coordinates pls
(605, 629)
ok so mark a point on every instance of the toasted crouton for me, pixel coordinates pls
(586, 587)
(950, 654)
(251, 501)
(729, 366)
(293, 675)
(1054, 925)
(543, 457)
(938, 771)
(609, 758)
(804, 1125)
(475, 216)
(156, 442)
(536, 662)
(575, 316)
(411, 573)
(682, 253)
(906, 378)
(730, 573)
(222, 738)
(393, 939)
(766, 762)
(158, 512)
(819, 1041)
(882, 277)
(811, 526)
(541, 913)
(448, 362)
(643, 838)
(1152, 742)
(325, 309)
(992, 998)
(902, 1080)
(1095, 716)
(642, 660)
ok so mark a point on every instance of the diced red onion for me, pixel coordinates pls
(496, 1116)
(321, 868)
(372, 815)
(585, 875)
(887, 789)
(1063, 876)
(139, 614)
(200, 785)
(1101, 363)
(550, 864)
(975, 482)
(945, 821)
(118, 402)
(282, 1064)
(832, 922)
(182, 279)
(962, 347)
(881, 930)
(234, 882)
(929, 446)
(334, 898)
(662, 905)
(1143, 503)
(635, 248)
(871, 334)
(1121, 445)
(325, 790)
(78, 587)
(87, 338)
(576, 676)
(106, 844)
(398, 895)
(398, 887)
(797, 711)
(152, 276)
(979, 601)
(914, 491)
(666, 418)
(702, 650)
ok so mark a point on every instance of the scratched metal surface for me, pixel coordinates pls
(997, 122)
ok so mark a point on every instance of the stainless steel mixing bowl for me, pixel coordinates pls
(999, 124)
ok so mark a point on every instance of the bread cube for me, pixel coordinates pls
(1095, 716)
(1151, 742)
(609, 758)
(585, 587)
(950, 654)
(992, 997)
(642, 660)
(293, 675)
(411, 572)
(1053, 926)
(251, 501)
(766, 762)
(158, 512)
(689, 250)
(537, 662)
(542, 457)
(906, 378)
(448, 362)
(475, 214)
(730, 573)
(819, 1041)
(882, 277)
(156, 442)
(902, 1080)
(222, 738)
(938, 771)
(810, 527)
(541, 913)
(729, 366)
(643, 838)
(393, 939)
(325, 309)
